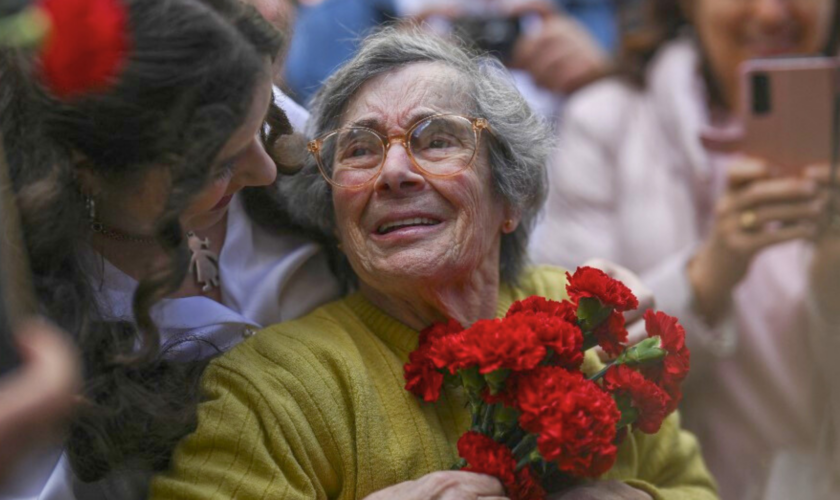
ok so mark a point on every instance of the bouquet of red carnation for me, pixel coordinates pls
(537, 421)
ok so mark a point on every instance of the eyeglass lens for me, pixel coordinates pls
(442, 145)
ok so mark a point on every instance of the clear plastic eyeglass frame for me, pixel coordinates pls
(315, 146)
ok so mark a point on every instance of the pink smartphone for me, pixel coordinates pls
(787, 110)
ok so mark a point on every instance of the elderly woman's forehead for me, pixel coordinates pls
(428, 84)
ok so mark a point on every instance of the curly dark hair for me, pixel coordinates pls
(186, 87)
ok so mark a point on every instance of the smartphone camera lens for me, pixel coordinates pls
(760, 94)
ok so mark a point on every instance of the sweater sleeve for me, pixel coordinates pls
(249, 446)
(670, 465)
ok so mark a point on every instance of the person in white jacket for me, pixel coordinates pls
(727, 248)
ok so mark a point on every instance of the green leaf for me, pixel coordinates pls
(646, 351)
(591, 313)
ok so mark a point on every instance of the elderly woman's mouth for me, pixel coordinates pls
(396, 225)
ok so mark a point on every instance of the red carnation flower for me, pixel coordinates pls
(535, 304)
(486, 456)
(421, 375)
(438, 330)
(575, 420)
(86, 46)
(611, 334)
(490, 345)
(594, 283)
(564, 339)
(526, 487)
(422, 378)
(646, 397)
(672, 370)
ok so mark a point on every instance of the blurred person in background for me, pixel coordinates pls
(155, 235)
(726, 247)
(282, 14)
(567, 44)
(326, 34)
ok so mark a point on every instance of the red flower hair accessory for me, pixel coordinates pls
(86, 47)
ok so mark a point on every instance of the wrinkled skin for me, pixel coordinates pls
(422, 274)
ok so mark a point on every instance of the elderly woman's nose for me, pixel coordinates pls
(398, 172)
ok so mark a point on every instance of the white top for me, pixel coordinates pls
(266, 278)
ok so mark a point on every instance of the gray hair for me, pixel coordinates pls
(518, 146)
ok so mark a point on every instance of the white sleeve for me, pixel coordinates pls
(42, 475)
(579, 221)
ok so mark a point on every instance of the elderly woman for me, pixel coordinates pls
(432, 174)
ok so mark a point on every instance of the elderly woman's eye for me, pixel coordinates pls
(356, 152)
(439, 142)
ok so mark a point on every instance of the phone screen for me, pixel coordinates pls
(787, 111)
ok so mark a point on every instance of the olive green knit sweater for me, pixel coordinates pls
(315, 409)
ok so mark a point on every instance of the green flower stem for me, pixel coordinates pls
(487, 419)
(460, 464)
(525, 447)
(514, 437)
(25, 29)
(628, 416)
(603, 371)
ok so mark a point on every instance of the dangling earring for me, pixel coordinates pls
(90, 206)
(508, 227)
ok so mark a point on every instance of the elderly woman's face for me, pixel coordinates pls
(405, 225)
(733, 31)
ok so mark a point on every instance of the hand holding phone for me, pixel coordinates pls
(496, 35)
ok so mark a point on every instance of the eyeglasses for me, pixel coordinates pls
(439, 146)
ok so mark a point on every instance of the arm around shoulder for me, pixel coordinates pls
(247, 445)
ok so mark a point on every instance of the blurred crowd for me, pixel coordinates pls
(169, 219)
